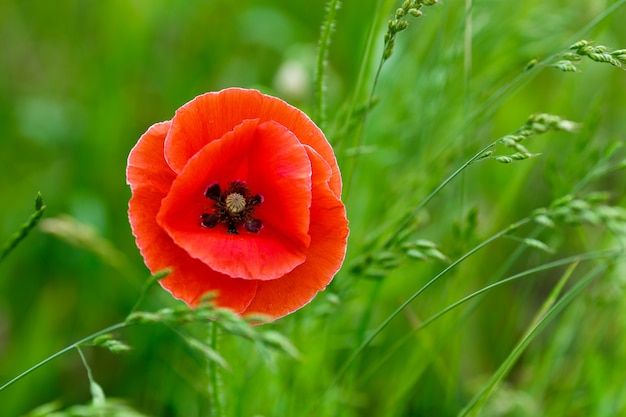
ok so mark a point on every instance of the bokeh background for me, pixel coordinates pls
(81, 80)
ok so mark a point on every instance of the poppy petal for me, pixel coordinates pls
(150, 179)
(329, 232)
(274, 164)
(239, 194)
(209, 116)
(190, 279)
(146, 165)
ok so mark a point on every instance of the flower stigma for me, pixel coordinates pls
(235, 202)
(233, 208)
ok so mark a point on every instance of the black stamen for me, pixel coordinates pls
(209, 220)
(253, 225)
(214, 192)
(255, 200)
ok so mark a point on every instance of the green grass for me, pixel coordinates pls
(542, 322)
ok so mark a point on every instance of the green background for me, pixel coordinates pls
(81, 80)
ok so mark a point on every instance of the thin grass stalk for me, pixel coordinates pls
(526, 76)
(588, 256)
(356, 144)
(361, 76)
(395, 313)
(217, 409)
(475, 404)
(97, 394)
(147, 286)
(407, 219)
(63, 351)
(322, 61)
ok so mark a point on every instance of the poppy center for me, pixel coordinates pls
(234, 207)
(235, 202)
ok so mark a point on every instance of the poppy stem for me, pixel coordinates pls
(214, 377)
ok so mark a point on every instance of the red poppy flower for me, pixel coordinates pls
(239, 194)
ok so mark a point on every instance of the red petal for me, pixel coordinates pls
(190, 279)
(146, 165)
(150, 179)
(209, 116)
(329, 233)
(273, 163)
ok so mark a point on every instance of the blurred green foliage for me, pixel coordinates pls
(81, 80)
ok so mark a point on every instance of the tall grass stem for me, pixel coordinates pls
(322, 60)
(217, 409)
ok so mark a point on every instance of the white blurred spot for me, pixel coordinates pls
(292, 80)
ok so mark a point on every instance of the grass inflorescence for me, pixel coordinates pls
(23, 231)
(598, 53)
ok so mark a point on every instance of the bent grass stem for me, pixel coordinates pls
(407, 219)
(61, 352)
